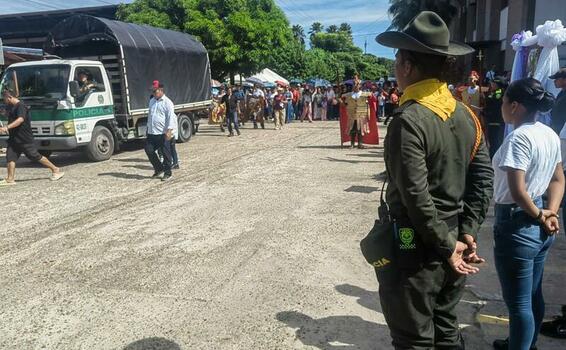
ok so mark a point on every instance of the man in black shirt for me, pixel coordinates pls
(559, 110)
(232, 111)
(20, 139)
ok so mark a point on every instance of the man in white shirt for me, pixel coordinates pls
(258, 92)
(160, 131)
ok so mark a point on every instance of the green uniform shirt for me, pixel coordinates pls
(432, 175)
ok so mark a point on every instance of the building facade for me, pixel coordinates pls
(489, 25)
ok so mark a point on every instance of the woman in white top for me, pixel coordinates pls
(527, 165)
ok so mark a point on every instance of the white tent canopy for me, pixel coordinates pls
(269, 76)
(266, 75)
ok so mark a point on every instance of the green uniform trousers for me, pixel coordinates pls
(419, 306)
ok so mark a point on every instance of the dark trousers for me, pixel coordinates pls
(495, 136)
(232, 118)
(152, 145)
(419, 306)
(356, 132)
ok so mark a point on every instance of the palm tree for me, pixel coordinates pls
(403, 11)
(299, 33)
(316, 27)
(332, 29)
(346, 28)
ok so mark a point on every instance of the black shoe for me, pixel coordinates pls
(157, 174)
(555, 328)
(239, 133)
(231, 134)
(167, 177)
(175, 166)
(503, 344)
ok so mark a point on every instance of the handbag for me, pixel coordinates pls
(378, 246)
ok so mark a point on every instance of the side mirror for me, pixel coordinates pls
(74, 88)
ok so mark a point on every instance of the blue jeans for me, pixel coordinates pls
(290, 113)
(521, 246)
(173, 147)
(232, 118)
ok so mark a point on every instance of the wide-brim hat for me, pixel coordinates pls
(426, 33)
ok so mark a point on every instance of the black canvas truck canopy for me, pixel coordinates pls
(177, 60)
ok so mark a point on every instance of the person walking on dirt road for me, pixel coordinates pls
(20, 139)
(160, 129)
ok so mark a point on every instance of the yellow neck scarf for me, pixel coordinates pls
(432, 94)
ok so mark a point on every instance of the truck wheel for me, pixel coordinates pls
(45, 153)
(185, 128)
(101, 146)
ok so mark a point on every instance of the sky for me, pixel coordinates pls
(367, 18)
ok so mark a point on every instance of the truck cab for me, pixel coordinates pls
(67, 100)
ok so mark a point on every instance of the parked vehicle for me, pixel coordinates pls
(120, 60)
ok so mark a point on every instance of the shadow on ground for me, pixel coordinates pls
(336, 332)
(126, 176)
(321, 147)
(331, 159)
(365, 298)
(154, 343)
(140, 167)
(131, 160)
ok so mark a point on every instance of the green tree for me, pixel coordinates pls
(239, 34)
(403, 11)
(333, 42)
(322, 64)
(332, 29)
(299, 33)
(316, 27)
(346, 28)
(168, 14)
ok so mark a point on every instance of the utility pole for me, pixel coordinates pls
(366, 46)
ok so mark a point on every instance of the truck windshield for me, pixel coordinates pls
(38, 81)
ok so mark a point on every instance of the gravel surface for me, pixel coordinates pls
(252, 245)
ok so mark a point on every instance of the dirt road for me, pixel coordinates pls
(252, 245)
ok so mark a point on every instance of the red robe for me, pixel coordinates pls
(371, 138)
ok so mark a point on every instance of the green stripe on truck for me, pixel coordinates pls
(68, 114)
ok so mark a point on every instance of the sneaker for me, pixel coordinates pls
(56, 176)
(231, 135)
(157, 175)
(3, 183)
(166, 177)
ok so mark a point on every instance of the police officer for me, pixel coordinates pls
(493, 118)
(440, 184)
